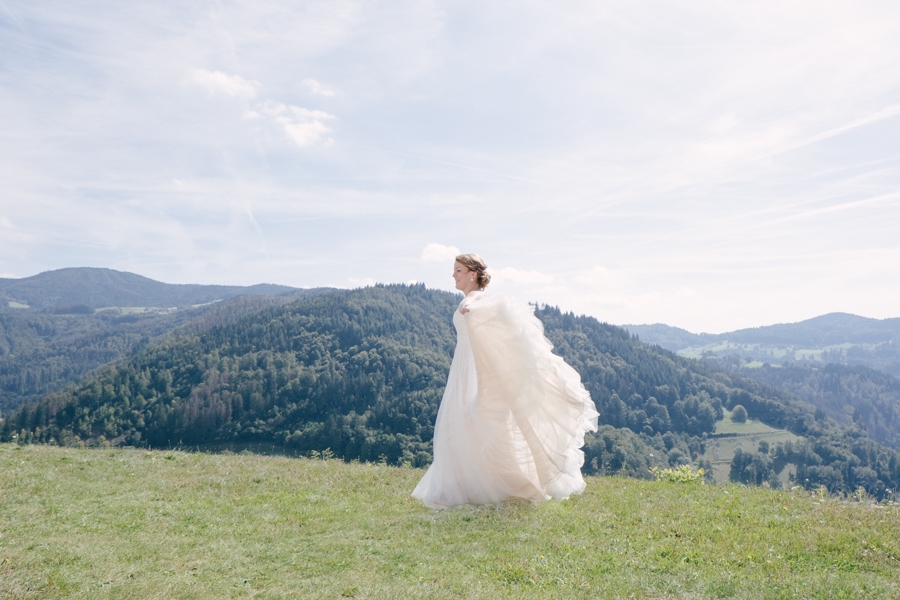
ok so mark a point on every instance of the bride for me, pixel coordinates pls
(513, 417)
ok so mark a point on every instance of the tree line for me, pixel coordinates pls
(360, 374)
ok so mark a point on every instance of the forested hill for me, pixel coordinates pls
(854, 394)
(360, 374)
(42, 352)
(89, 288)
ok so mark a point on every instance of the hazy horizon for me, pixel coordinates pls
(711, 167)
(562, 307)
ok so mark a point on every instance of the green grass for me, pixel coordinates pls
(750, 426)
(81, 523)
(131, 310)
(757, 364)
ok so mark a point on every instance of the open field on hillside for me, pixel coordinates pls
(747, 436)
(81, 523)
(748, 427)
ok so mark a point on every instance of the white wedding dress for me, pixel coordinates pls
(513, 417)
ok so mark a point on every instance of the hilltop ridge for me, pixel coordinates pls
(98, 288)
(840, 338)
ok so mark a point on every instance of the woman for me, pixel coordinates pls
(513, 416)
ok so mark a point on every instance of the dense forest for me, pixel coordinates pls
(42, 352)
(868, 398)
(360, 374)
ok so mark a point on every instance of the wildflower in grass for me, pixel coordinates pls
(682, 474)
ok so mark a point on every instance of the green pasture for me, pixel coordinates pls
(131, 310)
(749, 427)
(106, 523)
(748, 435)
(773, 354)
(720, 451)
(756, 364)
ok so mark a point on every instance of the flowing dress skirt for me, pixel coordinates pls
(512, 420)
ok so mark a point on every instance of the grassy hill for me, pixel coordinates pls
(158, 524)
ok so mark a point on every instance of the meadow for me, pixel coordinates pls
(108, 523)
(747, 436)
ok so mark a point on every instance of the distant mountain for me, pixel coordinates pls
(360, 374)
(666, 336)
(839, 338)
(83, 288)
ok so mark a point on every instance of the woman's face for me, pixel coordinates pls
(464, 278)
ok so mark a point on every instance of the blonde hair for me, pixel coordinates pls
(473, 262)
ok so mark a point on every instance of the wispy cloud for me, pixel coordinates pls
(523, 276)
(224, 83)
(712, 165)
(317, 89)
(303, 126)
(362, 282)
(10, 15)
(883, 198)
(880, 115)
(439, 253)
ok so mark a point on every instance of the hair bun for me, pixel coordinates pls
(473, 262)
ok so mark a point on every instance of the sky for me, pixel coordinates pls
(708, 165)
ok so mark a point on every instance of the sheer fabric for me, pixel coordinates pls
(512, 420)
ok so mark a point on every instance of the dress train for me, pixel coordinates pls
(513, 417)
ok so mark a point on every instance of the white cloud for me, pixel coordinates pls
(600, 277)
(746, 152)
(521, 276)
(303, 126)
(223, 83)
(363, 282)
(439, 253)
(317, 89)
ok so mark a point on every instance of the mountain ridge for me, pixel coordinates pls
(95, 288)
(839, 338)
(42, 351)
